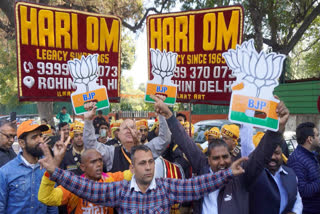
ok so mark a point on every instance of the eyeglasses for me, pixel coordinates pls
(9, 136)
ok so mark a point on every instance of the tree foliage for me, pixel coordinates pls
(8, 73)
(132, 99)
(280, 24)
(127, 51)
(305, 56)
(127, 10)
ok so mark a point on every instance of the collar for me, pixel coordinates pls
(74, 151)
(280, 170)
(124, 148)
(6, 150)
(103, 178)
(306, 151)
(135, 187)
(117, 140)
(26, 163)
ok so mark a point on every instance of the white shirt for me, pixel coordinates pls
(159, 168)
(135, 187)
(210, 202)
(33, 166)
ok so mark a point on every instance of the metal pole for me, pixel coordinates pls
(190, 120)
(73, 115)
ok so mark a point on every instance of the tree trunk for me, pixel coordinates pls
(256, 17)
(45, 110)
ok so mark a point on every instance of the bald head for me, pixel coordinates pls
(92, 164)
(88, 154)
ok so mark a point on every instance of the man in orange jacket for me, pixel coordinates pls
(91, 164)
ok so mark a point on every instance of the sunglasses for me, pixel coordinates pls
(9, 136)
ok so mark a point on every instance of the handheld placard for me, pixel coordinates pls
(257, 74)
(163, 66)
(84, 74)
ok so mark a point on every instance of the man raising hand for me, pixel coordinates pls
(144, 193)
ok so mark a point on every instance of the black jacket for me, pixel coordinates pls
(71, 162)
(120, 162)
(265, 196)
(6, 156)
(234, 196)
(113, 142)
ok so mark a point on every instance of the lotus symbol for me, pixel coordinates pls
(84, 71)
(259, 69)
(234, 57)
(163, 64)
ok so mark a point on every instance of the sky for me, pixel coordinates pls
(139, 68)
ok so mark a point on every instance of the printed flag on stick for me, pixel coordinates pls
(163, 66)
(84, 74)
(257, 74)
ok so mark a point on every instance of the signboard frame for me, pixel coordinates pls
(111, 61)
(196, 96)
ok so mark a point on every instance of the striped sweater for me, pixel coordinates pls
(306, 166)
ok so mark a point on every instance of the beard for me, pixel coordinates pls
(275, 166)
(34, 151)
(143, 138)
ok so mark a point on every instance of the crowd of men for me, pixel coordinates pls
(126, 167)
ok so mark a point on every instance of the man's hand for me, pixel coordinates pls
(102, 139)
(47, 162)
(46, 139)
(91, 110)
(136, 135)
(236, 166)
(59, 149)
(160, 107)
(283, 114)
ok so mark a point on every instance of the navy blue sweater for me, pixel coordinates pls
(306, 166)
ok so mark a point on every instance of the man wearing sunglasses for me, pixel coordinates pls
(8, 133)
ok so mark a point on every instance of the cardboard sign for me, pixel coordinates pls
(199, 38)
(84, 75)
(257, 74)
(47, 37)
(163, 66)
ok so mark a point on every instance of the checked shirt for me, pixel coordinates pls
(126, 200)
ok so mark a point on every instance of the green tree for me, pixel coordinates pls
(130, 103)
(305, 56)
(132, 99)
(131, 12)
(8, 71)
(280, 24)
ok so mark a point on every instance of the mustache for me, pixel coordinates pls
(274, 160)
